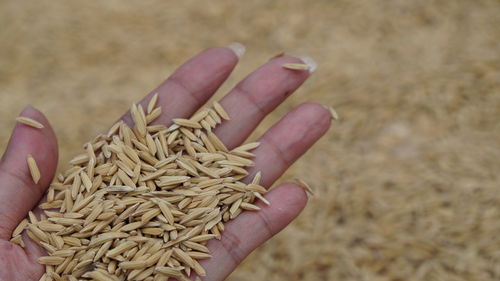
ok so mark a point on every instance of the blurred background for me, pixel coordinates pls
(407, 182)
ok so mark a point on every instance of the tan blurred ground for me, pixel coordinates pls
(408, 181)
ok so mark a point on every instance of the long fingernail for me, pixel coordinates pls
(238, 48)
(333, 113)
(310, 62)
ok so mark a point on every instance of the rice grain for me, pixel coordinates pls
(142, 202)
(33, 167)
(30, 122)
(296, 66)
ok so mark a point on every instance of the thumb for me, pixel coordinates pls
(18, 191)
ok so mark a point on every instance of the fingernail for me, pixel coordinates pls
(237, 48)
(310, 62)
(333, 113)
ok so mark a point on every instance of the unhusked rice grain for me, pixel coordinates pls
(142, 202)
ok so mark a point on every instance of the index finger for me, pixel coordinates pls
(193, 83)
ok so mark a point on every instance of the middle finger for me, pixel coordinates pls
(257, 95)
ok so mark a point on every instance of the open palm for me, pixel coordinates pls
(180, 96)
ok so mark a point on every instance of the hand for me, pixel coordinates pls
(180, 96)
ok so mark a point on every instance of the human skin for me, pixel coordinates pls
(180, 95)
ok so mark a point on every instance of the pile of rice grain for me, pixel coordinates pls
(141, 203)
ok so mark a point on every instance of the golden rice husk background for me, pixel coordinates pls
(407, 182)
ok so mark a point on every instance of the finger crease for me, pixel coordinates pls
(250, 98)
(5, 232)
(231, 244)
(266, 223)
(179, 84)
(277, 149)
